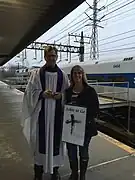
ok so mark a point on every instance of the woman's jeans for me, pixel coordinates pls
(83, 150)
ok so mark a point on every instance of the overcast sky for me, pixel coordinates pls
(118, 32)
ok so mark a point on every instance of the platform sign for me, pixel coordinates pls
(74, 124)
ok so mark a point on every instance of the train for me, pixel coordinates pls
(116, 77)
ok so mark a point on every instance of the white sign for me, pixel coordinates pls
(74, 124)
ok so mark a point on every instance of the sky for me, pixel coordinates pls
(116, 39)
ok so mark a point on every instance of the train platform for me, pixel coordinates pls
(109, 158)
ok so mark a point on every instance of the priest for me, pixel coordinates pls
(42, 115)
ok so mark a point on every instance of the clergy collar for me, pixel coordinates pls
(51, 69)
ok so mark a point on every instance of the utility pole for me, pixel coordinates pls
(82, 42)
(81, 48)
(94, 52)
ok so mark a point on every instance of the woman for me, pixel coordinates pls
(81, 94)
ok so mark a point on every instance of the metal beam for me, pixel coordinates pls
(60, 47)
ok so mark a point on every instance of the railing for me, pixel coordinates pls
(113, 93)
(13, 81)
(113, 89)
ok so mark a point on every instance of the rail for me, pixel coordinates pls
(113, 89)
(13, 81)
(113, 93)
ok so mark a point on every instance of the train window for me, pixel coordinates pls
(95, 78)
(101, 78)
(90, 77)
(117, 78)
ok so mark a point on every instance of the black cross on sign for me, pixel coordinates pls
(72, 121)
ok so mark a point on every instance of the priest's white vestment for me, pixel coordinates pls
(41, 117)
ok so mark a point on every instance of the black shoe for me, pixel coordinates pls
(73, 177)
(55, 175)
(37, 178)
(38, 171)
(83, 168)
(74, 169)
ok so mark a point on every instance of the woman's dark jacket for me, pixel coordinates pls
(87, 98)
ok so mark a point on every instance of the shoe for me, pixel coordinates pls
(55, 175)
(73, 177)
(38, 171)
(37, 178)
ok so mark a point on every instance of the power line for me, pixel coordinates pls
(126, 44)
(75, 29)
(111, 3)
(80, 27)
(116, 8)
(94, 41)
(118, 14)
(118, 35)
(66, 29)
(81, 21)
(70, 23)
(118, 4)
(114, 50)
(118, 52)
(117, 40)
(121, 49)
(120, 7)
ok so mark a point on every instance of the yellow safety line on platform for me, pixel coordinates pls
(117, 143)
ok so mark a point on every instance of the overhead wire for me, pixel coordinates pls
(73, 30)
(116, 35)
(110, 4)
(121, 49)
(117, 40)
(126, 44)
(102, 21)
(113, 10)
(81, 21)
(118, 14)
(70, 23)
(63, 29)
(120, 7)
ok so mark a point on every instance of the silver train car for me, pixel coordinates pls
(117, 77)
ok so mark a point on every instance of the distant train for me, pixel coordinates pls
(122, 71)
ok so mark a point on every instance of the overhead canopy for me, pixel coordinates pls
(23, 21)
